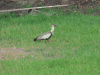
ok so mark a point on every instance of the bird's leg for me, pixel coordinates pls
(45, 41)
(48, 40)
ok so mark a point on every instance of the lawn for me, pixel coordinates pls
(72, 50)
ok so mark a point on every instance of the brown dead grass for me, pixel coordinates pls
(12, 53)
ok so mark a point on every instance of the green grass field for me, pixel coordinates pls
(72, 50)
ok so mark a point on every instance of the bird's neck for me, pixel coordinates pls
(52, 30)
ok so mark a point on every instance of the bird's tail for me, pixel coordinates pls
(35, 39)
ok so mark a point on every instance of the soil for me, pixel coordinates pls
(12, 53)
(94, 8)
(82, 6)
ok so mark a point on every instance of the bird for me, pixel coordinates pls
(47, 35)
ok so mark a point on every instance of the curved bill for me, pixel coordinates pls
(55, 25)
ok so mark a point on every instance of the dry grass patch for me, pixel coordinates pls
(12, 53)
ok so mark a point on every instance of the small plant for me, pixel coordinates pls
(41, 4)
(26, 5)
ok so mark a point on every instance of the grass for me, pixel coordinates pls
(79, 56)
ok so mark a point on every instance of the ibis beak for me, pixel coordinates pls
(55, 25)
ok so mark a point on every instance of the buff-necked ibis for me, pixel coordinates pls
(46, 35)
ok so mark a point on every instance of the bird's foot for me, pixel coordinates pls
(45, 41)
(48, 40)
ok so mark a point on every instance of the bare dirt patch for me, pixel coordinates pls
(12, 53)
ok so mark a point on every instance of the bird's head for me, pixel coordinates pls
(54, 25)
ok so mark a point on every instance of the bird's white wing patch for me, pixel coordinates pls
(46, 36)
